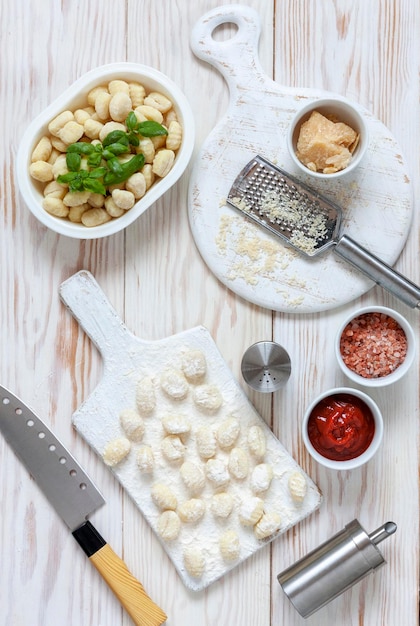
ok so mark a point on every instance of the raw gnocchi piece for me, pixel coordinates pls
(251, 511)
(42, 171)
(191, 511)
(145, 396)
(168, 525)
(298, 486)
(193, 477)
(137, 185)
(172, 448)
(59, 122)
(132, 424)
(268, 524)
(116, 451)
(137, 93)
(147, 148)
(71, 132)
(176, 424)
(207, 398)
(261, 477)
(194, 366)
(148, 174)
(194, 561)
(96, 200)
(222, 504)
(55, 206)
(76, 198)
(163, 497)
(150, 113)
(163, 161)
(238, 463)
(59, 166)
(55, 190)
(102, 105)
(42, 150)
(174, 384)
(118, 85)
(228, 433)
(93, 128)
(94, 93)
(76, 212)
(111, 208)
(123, 199)
(217, 472)
(120, 105)
(174, 138)
(257, 442)
(95, 217)
(158, 101)
(145, 459)
(206, 442)
(229, 544)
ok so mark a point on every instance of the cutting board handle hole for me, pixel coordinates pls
(225, 31)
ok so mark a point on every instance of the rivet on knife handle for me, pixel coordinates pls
(130, 592)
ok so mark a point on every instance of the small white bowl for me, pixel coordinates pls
(341, 110)
(397, 373)
(74, 97)
(374, 444)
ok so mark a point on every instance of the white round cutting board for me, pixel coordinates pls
(376, 200)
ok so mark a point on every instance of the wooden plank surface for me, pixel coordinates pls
(154, 276)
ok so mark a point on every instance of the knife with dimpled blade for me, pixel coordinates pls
(74, 497)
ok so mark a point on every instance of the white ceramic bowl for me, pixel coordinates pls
(397, 373)
(374, 444)
(342, 110)
(74, 97)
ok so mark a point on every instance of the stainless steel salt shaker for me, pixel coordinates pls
(334, 567)
(266, 366)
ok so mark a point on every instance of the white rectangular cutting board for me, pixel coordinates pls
(126, 360)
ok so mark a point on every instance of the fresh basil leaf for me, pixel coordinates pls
(66, 178)
(149, 128)
(94, 186)
(98, 172)
(73, 161)
(95, 159)
(131, 121)
(126, 170)
(80, 147)
(115, 136)
(133, 139)
(115, 149)
(115, 166)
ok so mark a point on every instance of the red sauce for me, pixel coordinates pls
(341, 427)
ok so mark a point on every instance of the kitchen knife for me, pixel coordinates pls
(74, 497)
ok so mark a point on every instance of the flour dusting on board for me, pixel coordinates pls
(182, 438)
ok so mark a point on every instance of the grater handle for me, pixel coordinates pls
(379, 271)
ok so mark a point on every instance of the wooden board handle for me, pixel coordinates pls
(129, 591)
(89, 305)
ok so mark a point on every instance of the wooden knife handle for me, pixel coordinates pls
(130, 592)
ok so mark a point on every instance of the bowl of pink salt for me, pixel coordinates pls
(375, 346)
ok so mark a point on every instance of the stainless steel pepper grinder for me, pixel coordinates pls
(334, 567)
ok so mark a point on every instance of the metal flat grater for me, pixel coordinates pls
(309, 222)
(278, 202)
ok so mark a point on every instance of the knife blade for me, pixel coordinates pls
(74, 497)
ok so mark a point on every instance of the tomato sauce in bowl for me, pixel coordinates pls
(341, 427)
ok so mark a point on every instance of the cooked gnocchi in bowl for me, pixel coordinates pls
(105, 150)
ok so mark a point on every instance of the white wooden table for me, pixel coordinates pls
(158, 282)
